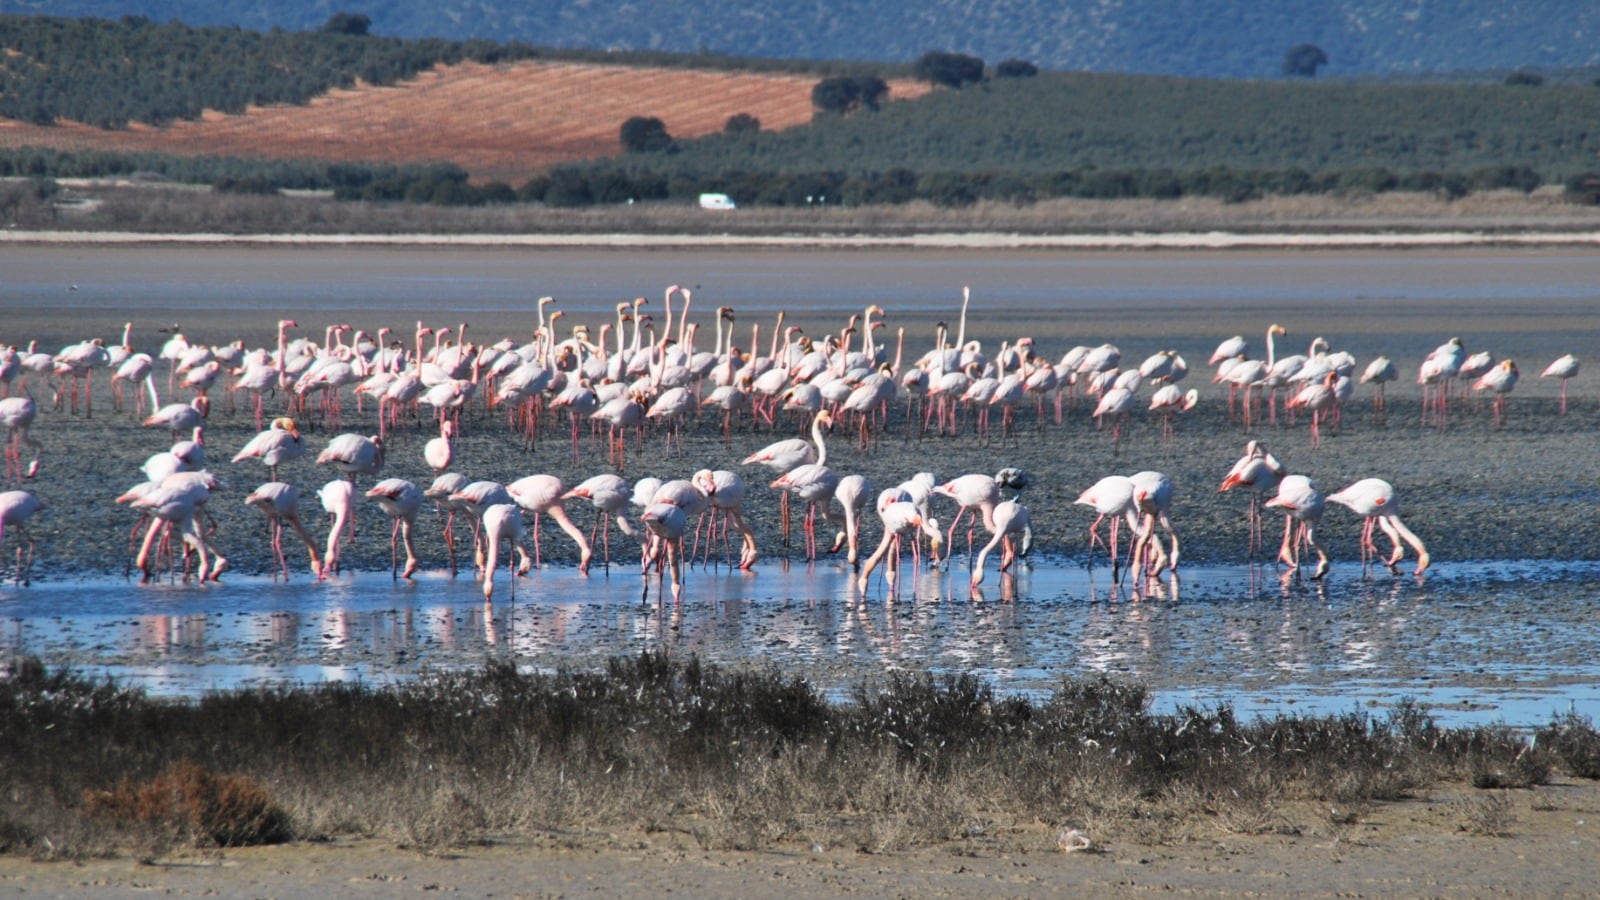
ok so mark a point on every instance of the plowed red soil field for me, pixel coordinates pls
(499, 122)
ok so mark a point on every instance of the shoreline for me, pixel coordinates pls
(974, 240)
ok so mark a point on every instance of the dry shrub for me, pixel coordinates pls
(197, 805)
(1574, 743)
(1488, 816)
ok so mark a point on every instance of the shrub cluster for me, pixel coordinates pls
(742, 758)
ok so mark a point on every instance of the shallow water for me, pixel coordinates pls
(1475, 643)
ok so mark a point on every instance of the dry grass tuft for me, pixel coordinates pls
(195, 805)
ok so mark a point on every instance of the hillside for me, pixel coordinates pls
(503, 122)
(1197, 38)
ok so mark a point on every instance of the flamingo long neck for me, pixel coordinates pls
(1272, 355)
(961, 331)
(683, 315)
(283, 350)
(666, 321)
(899, 349)
(777, 332)
(717, 347)
(816, 435)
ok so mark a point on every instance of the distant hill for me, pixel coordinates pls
(1197, 38)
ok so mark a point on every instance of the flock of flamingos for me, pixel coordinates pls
(634, 377)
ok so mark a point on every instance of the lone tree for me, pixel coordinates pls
(347, 23)
(1302, 60)
(741, 123)
(843, 94)
(645, 134)
(949, 69)
(1016, 68)
(1525, 78)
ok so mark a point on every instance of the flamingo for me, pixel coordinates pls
(174, 505)
(1373, 499)
(815, 484)
(971, 492)
(1379, 372)
(502, 522)
(1168, 401)
(784, 456)
(17, 415)
(1152, 504)
(541, 495)
(609, 495)
(1564, 368)
(16, 508)
(1320, 400)
(851, 492)
(1302, 506)
(1110, 497)
(180, 417)
(280, 503)
(353, 454)
(1117, 404)
(277, 445)
(440, 452)
(338, 501)
(667, 522)
(1501, 379)
(401, 500)
(1437, 371)
(131, 371)
(724, 490)
(899, 517)
(1258, 471)
(1010, 521)
(440, 493)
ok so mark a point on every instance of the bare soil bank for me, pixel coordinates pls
(1454, 842)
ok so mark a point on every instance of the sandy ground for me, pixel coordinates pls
(1431, 846)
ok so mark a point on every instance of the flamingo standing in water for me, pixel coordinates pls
(900, 516)
(16, 508)
(1302, 506)
(1110, 497)
(1564, 368)
(1152, 505)
(338, 501)
(440, 492)
(609, 495)
(1010, 521)
(1373, 499)
(724, 491)
(975, 491)
(401, 500)
(1258, 471)
(502, 522)
(541, 495)
(813, 482)
(280, 503)
(786, 455)
(667, 522)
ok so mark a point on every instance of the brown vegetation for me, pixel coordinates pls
(726, 759)
(499, 122)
